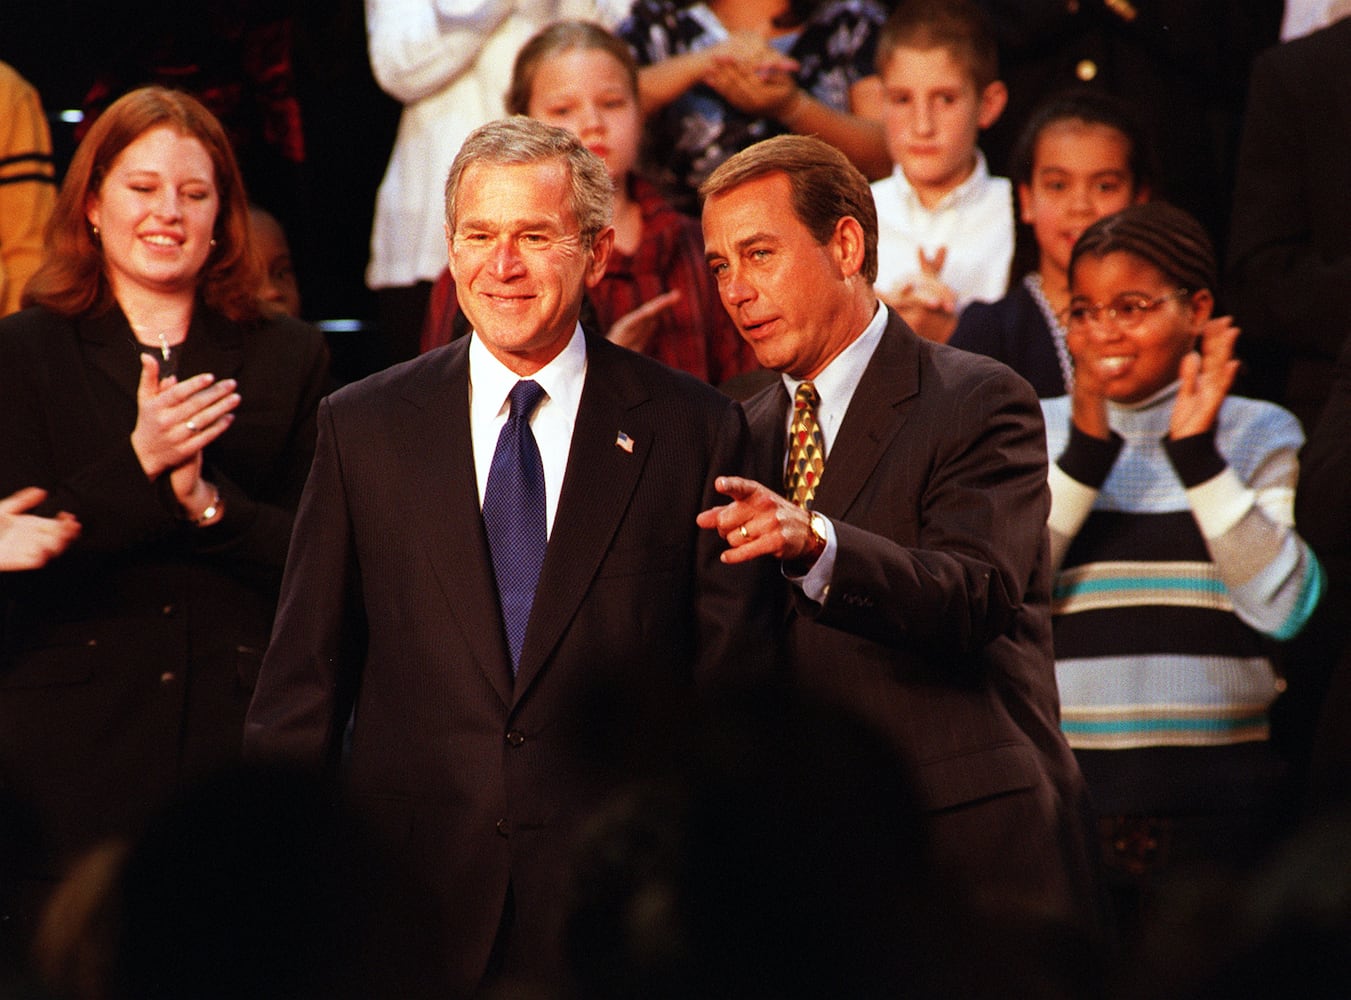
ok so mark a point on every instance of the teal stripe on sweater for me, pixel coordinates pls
(1129, 583)
(1310, 593)
(1083, 727)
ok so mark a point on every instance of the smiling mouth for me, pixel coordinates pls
(1114, 365)
(157, 240)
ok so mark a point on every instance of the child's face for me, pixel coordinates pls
(587, 92)
(933, 116)
(1080, 172)
(1136, 353)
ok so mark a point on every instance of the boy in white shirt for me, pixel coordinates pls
(946, 226)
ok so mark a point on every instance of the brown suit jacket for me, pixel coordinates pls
(936, 625)
(389, 615)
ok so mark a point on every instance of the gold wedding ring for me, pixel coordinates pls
(745, 535)
(191, 425)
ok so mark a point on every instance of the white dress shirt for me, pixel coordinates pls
(974, 221)
(448, 62)
(491, 382)
(835, 387)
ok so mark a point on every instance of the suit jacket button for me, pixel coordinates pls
(503, 828)
(515, 737)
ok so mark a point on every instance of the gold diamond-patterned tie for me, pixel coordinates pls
(806, 448)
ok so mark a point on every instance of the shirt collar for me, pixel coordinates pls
(835, 383)
(969, 190)
(490, 381)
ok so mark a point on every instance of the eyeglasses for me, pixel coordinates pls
(1125, 312)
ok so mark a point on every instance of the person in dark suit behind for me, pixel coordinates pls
(475, 743)
(1288, 282)
(1322, 509)
(916, 561)
(1289, 261)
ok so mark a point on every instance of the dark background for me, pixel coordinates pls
(63, 47)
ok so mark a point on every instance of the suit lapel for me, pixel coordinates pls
(597, 488)
(767, 415)
(214, 344)
(111, 348)
(437, 456)
(876, 414)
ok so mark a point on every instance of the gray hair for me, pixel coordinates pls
(520, 140)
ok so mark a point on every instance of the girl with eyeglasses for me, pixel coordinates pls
(1178, 563)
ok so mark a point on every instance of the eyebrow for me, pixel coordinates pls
(740, 245)
(498, 225)
(1055, 168)
(160, 174)
(1081, 297)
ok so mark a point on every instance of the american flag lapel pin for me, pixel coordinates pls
(625, 442)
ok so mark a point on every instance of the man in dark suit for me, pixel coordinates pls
(1289, 263)
(918, 583)
(474, 743)
(1288, 282)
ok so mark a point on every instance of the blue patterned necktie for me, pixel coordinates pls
(514, 514)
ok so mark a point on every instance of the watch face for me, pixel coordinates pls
(819, 529)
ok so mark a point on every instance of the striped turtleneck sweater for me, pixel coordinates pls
(1177, 562)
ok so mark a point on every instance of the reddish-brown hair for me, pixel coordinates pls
(72, 280)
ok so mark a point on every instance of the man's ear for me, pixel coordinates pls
(847, 244)
(450, 249)
(993, 99)
(601, 245)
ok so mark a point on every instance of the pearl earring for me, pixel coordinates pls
(213, 241)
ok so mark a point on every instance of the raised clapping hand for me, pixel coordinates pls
(752, 75)
(927, 304)
(1207, 375)
(28, 541)
(758, 522)
(635, 329)
(1088, 398)
(176, 420)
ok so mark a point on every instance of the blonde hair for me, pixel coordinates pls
(959, 27)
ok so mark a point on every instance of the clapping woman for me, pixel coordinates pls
(151, 397)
